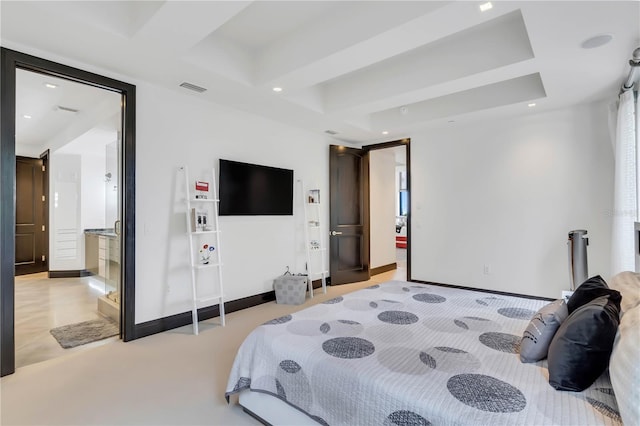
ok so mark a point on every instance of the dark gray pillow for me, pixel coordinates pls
(579, 352)
(590, 289)
(541, 329)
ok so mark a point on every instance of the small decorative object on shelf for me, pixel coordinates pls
(314, 196)
(314, 223)
(202, 188)
(314, 244)
(205, 253)
(199, 220)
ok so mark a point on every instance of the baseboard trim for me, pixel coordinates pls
(178, 320)
(484, 290)
(70, 273)
(318, 283)
(384, 268)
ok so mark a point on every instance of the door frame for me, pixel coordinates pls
(406, 142)
(10, 61)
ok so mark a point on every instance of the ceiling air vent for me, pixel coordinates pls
(66, 109)
(193, 87)
(331, 132)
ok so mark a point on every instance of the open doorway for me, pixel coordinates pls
(76, 304)
(389, 202)
(66, 254)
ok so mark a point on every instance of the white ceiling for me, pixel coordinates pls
(359, 68)
(60, 116)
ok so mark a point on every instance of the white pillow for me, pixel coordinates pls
(624, 367)
(628, 284)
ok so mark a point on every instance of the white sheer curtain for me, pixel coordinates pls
(625, 204)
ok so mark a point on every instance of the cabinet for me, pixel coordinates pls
(314, 238)
(203, 230)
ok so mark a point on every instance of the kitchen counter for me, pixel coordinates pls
(102, 232)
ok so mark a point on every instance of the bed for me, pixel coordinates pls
(407, 354)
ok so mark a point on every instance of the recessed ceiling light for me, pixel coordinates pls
(26, 116)
(277, 89)
(385, 132)
(50, 85)
(485, 6)
(531, 105)
(597, 41)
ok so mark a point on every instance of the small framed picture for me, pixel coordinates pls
(402, 182)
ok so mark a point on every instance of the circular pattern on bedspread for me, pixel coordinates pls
(389, 333)
(280, 320)
(476, 324)
(341, 328)
(486, 393)
(348, 347)
(333, 301)
(386, 304)
(491, 301)
(429, 298)
(502, 342)
(303, 327)
(451, 360)
(394, 289)
(290, 366)
(517, 313)
(604, 401)
(398, 317)
(442, 324)
(405, 418)
(373, 287)
(293, 385)
(357, 304)
(406, 360)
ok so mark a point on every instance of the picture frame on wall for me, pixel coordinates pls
(402, 177)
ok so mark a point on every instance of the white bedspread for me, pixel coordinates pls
(412, 354)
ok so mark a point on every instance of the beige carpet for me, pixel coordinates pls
(172, 378)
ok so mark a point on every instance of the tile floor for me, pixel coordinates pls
(44, 303)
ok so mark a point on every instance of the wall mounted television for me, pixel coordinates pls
(253, 190)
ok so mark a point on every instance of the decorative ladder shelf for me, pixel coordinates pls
(311, 207)
(194, 234)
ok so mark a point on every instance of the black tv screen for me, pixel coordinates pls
(253, 190)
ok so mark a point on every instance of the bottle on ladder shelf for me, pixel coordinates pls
(202, 228)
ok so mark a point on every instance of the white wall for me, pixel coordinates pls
(92, 199)
(111, 198)
(382, 194)
(505, 194)
(174, 129)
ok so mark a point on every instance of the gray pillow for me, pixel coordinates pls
(543, 326)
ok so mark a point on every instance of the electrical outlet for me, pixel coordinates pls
(487, 269)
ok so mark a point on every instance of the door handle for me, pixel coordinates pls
(334, 233)
(116, 227)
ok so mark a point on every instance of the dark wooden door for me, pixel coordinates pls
(30, 226)
(349, 215)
